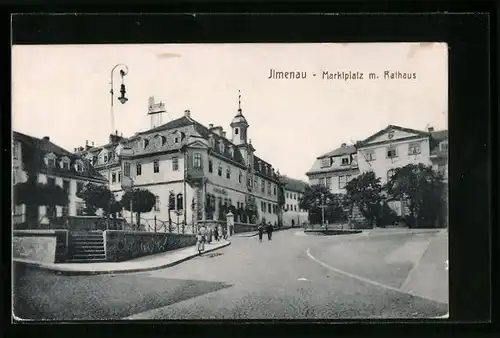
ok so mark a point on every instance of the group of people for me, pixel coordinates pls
(207, 235)
(268, 228)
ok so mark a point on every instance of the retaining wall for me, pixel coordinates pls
(48, 246)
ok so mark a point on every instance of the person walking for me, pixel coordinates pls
(200, 245)
(224, 233)
(269, 231)
(261, 231)
(216, 234)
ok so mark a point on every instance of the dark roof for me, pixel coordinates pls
(440, 135)
(293, 184)
(389, 127)
(347, 150)
(33, 146)
(177, 123)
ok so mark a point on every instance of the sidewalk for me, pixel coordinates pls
(252, 233)
(145, 263)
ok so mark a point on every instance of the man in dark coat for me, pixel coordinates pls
(269, 231)
(261, 231)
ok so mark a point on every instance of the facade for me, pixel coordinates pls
(195, 169)
(292, 214)
(58, 166)
(390, 148)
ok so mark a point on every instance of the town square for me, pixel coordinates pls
(168, 188)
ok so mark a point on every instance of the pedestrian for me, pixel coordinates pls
(216, 234)
(269, 231)
(219, 231)
(201, 238)
(209, 235)
(224, 232)
(261, 231)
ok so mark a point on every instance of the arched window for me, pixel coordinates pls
(240, 177)
(228, 173)
(180, 201)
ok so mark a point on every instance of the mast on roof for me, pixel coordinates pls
(155, 110)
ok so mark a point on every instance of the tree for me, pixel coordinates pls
(422, 188)
(34, 194)
(98, 197)
(251, 210)
(313, 198)
(143, 200)
(364, 192)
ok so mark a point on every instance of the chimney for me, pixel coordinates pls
(224, 134)
(114, 138)
(431, 129)
(343, 145)
(92, 144)
(210, 126)
(217, 130)
(46, 138)
(187, 113)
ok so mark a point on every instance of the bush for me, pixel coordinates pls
(386, 216)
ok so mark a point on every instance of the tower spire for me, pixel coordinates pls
(239, 102)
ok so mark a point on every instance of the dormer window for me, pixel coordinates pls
(50, 160)
(163, 140)
(106, 158)
(145, 143)
(65, 163)
(325, 162)
(221, 147)
(94, 160)
(211, 141)
(346, 160)
(231, 151)
(79, 166)
(236, 130)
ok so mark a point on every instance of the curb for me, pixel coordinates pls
(244, 234)
(65, 272)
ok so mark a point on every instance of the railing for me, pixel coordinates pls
(157, 225)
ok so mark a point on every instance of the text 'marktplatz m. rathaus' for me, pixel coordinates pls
(196, 166)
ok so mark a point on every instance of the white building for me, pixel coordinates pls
(294, 189)
(198, 167)
(58, 166)
(390, 148)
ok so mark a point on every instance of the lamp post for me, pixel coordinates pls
(127, 182)
(122, 98)
(322, 201)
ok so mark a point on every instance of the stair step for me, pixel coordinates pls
(89, 260)
(89, 255)
(98, 250)
(87, 239)
(90, 245)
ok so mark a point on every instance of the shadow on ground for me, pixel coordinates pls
(41, 295)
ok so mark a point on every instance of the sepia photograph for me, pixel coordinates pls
(248, 181)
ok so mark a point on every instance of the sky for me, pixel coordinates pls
(62, 91)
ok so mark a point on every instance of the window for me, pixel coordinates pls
(105, 158)
(197, 161)
(414, 148)
(221, 147)
(146, 142)
(236, 131)
(94, 160)
(295, 195)
(113, 178)
(390, 173)
(269, 207)
(262, 186)
(325, 162)
(51, 211)
(228, 173)
(370, 155)
(329, 182)
(156, 166)
(51, 162)
(66, 186)
(262, 206)
(240, 177)
(65, 165)
(342, 182)
(444, 146)
(177, 139)
(119, 177)
(126, 169)
(345, 160)
(163, 140)
(180, 202)
(269, 188)
(295, 208)
(80, 207)
(231, 151)
(79, 186)
(219, 171)
(391, 152)
(79, 166)
(51, 181)
(211, 141)
(14, 150)
(138, 169)
(275, 190)
(175, 163)
(157, 203)
(65, 211)
(210, 166)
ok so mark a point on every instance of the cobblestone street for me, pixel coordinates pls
(291, 277)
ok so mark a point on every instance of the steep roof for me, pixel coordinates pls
(440, 135)
(293, 184)
(347, 150)
(177, 123)
(33, 146)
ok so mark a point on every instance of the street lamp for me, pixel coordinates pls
(123, 91)
(323, 203)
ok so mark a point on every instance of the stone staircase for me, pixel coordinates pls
(86, 247)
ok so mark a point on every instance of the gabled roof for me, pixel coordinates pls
(390, 127)
(347, 150)
(293, 184)
(35, 148)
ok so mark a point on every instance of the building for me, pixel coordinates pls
(57, 166)
(193, 168)
(335, 168)
(390, 148)
(294, 189)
